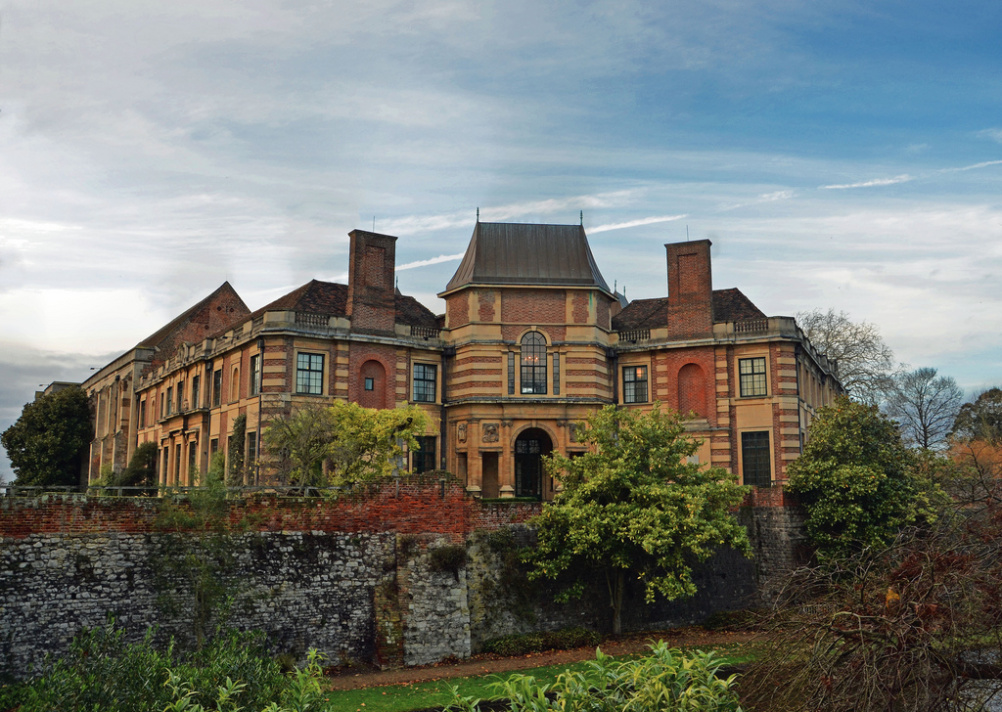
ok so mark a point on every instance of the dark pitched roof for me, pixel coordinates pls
(331, 299)
(314, 297)
(733, 305)
(413, 313)
(728, 305)
(516, 253)
(165, 337)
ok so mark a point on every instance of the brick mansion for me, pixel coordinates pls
(532, 341)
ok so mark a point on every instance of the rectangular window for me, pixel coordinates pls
(511, 373)
(180, 396)
(251, 448)
(751, 376)
(370, 384)
(423, 459)
(556, 374)
(196, 383)
(217, 387)
(170, 399)
(177, 464)
(635, 384)
(142, 413)
(424, 382)
(193, 464)
(213, 446)
(255, 374)
(310, 374)
(165, 471)
(756, 464)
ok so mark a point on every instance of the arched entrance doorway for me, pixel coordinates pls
(530, 449)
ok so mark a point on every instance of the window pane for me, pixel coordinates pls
(424, 383)
(310, 373)
(756, 462)
(533, 363)
(751, 375)
(635, 384)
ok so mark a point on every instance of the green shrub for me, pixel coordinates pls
(451, 558)
(103, 672)
(525, 643)
(667, 679)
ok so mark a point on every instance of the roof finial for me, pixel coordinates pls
(582, 218)
(478, 213)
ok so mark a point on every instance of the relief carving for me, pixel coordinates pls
(461, 432)
(490, 432)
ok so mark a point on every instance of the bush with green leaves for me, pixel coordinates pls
(856, 480)
(666, 679)
(103, 671)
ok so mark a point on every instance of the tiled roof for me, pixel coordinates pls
(314, 297)
(732, 305)
(728, 305)
(164, 339)
(331, 299)
(516, 253)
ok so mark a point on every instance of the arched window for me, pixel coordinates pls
(533, 363)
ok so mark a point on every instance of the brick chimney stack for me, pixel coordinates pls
(690, 290)
(371, 303)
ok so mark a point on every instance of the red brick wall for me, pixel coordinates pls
(358, 369)
(414, 505)
(690, 290)
(487, 299)
(533, 306)
(457, 308)
(667, 389)
(692, 390)
(580, 308)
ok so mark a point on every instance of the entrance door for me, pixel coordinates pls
(530, 449)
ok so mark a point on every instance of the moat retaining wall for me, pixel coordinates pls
(355, 577)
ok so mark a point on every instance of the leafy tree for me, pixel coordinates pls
(864, 360)
(981, 419)
(142, 468)
(635, 505)
(47, 445)
(854, 479)
(342, 443)
(235, 474)
(924, 406)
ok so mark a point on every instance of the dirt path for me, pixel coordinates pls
(354, 678)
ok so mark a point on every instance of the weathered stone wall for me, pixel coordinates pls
(356, 578)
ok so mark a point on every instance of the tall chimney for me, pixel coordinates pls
(371, 295)
(690, 290)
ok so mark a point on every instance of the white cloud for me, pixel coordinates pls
(635, 223)
(869, 183)
(993, 134)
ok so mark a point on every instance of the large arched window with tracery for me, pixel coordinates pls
(533, 363)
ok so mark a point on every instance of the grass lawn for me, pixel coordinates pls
(438, 693)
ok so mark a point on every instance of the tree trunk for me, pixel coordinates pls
(617, 581)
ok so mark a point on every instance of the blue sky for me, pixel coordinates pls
(838, 154)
